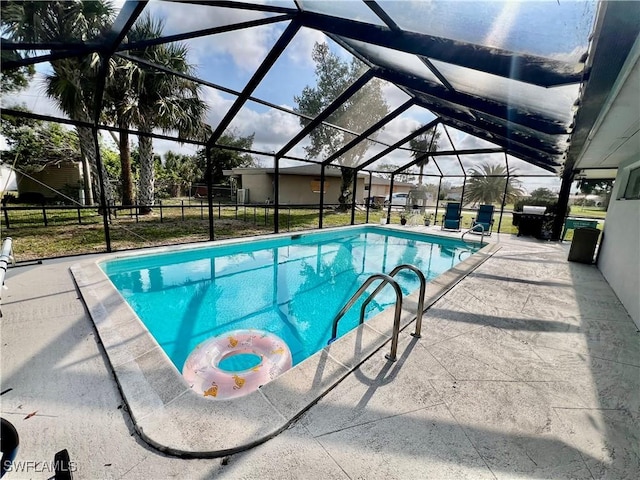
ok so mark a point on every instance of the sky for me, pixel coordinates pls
(230, 59)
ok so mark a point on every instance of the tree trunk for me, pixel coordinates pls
(125, 164)
(420, 175)
(146, 182)
(88, 155)
(345, 189)
(88, 152)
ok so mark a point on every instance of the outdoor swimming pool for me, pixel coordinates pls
(290, 286)
(276, 273)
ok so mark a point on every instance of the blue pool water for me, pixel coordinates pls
(290, 286)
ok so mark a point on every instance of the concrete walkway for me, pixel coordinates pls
(528, 368)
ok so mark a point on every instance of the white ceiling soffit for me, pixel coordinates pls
(615, 136)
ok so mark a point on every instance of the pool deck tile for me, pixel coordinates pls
(424, 443)
(356, 346)
(297, 389)
(378, 389)
(527, 368)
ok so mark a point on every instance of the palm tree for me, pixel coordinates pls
(421, 144)
(164, 100)
(121, 107)
(72, 82)
(486, 185)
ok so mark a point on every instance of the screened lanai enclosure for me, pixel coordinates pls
(304, 109)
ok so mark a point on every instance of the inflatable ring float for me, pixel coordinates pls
(204, 375)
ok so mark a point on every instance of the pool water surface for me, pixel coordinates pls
(290, 286)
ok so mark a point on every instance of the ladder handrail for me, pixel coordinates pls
(396, 319)
(423, 287)
(472, 229)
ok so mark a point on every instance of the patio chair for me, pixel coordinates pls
(451, 217)
(484, 218)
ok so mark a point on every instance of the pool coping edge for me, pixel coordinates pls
(160, 402)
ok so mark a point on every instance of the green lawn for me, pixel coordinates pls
(176, 222)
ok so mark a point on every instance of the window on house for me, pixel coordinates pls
(315, 186)
(632, 191)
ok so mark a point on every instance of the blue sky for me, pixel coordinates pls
(550, 28)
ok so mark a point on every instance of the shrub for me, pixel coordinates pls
(9, 198)
(34, 198)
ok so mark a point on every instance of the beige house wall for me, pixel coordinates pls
(296, 189)
(383, 190)
(619, 254)
(260, 187)
(56, 177)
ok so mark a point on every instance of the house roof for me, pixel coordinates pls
(313, 170)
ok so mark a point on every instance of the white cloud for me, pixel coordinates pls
(393, 95)
(247, 47)
(397, 129)
(34, 97)
(300, 48)
(273, 128)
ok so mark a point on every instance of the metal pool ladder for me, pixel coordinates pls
(473, 229)
(386, 279)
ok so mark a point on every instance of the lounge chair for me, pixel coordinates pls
(451, 217)
(484, 218)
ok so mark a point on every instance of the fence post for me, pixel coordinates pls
(219, 210)
(44, 215)
(182, 209)
(6, 216)
(137, 207)
(160, 203)
(201, 211)
(265, 216)
(79, 217)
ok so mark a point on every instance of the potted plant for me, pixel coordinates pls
(427, 219)
(403, 218)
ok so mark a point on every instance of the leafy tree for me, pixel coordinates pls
(35, 144)
(543, 194)
(425, 142)
(596, 187)
(72, 81)
(163, 100)
(223, 159)
(486, 185)
(17, 79)
(111, 161)
(181, 171)
(333, 76)
(431, 189)
(390, 167)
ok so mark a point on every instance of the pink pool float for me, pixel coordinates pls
(202, 372)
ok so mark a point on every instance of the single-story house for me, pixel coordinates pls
(64, 177)
(301, 185)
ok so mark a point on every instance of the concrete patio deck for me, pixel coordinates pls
(528, 368)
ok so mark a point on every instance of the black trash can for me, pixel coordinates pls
(583, 245)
